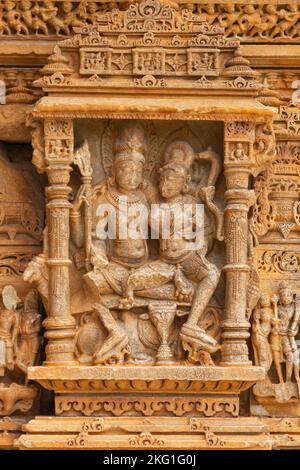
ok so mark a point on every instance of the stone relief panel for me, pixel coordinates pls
(143, 301)
(21, 233)
(150, 302)
(146, 293)
(20, 348)
(275, 319)
(21, 213)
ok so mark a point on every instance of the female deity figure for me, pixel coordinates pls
(9, 327)
(261, 329)
(266, 339)
(179, 260)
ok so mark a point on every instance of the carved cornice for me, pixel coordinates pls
(159, 379)
(149, 45)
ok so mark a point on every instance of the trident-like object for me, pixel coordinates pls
(82, 158)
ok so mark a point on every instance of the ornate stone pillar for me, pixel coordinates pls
(60, 325)
(238, 161)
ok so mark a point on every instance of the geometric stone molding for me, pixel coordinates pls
(155, 433)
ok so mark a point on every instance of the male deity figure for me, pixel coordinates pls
(112, 259)
(9, 327)
(29, 328)
(288, 313)
(177, 261)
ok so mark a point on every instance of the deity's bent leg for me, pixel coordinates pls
(97, 284)
(194, 339)
(146, 277)
(116, 345)
(207, 276)
(100, 283)
(288, 357)
(156, 274)
(296, 358)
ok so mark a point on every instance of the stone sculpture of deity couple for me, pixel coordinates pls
(121, 267)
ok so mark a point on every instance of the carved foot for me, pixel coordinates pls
(126, 303)
(198, 344)
(197, 355)
(113, 350)
(183, 290)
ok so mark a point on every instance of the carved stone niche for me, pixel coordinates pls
(275, 229)
(21, 225)
(155, 104)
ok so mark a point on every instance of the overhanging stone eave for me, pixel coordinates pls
(154, 107)
(147, 373)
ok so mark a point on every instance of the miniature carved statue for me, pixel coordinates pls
(261, 329)
(275, 325)
(19, 329)
(265, 335)
(288, 312)
(30, 325)
(9, 326)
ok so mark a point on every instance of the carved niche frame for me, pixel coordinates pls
(150, 62)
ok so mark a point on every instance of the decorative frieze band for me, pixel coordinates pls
(251, 20)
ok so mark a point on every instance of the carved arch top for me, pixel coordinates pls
(150, 45)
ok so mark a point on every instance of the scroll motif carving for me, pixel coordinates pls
(145, 440)
(105, 406)
(279, 262)
(146, 114)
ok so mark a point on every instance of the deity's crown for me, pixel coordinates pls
(181, 153)
(284, 285)
(130, 144)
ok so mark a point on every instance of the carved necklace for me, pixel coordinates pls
(118, 200)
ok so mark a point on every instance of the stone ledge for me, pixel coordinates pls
(159, 433)
(148, 373)
(146, 379)
(45, 432)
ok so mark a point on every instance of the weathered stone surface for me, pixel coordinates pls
(149, 341)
